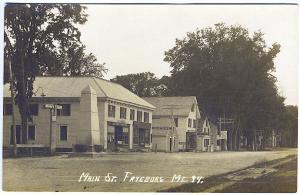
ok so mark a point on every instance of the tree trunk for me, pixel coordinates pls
(24, 103)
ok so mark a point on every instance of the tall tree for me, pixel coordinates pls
(37, 38)
(230, 72)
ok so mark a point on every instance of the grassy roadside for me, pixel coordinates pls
(283, 180)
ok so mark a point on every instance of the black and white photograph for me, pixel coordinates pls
(149, 97)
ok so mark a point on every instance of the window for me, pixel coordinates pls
(34, 109)
(139, 116)
(176, 122)
(111, 110)
(206, 142)
(122, 113)
(147, 136)
(31, 132)
(194, 123)
(7, 110)
(125, 136)
(65, 111)
(132, 113)
(146, 117)
(63, 133)
(189, 122)
(135, 136)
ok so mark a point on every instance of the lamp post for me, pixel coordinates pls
(52, 108)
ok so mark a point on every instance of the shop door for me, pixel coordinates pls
(142, 137)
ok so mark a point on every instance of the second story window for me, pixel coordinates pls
(176, 122)
(146, 117)
(132, 113)
(194, 123)
(65, 111)
(34, 109)
(111, 111)
(189, 122)
(139, 116)
(122, 113)
(7, 110)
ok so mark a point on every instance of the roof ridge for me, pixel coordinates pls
(171, 96)
(94, 79)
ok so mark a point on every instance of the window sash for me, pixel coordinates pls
(111, 110)
(146, 117)
(123, 113)
(132, 113)
(31, 132)
(34, 109)
(7, 109)
(139, 116)
(63, 133)
(65, 111)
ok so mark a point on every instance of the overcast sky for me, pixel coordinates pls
(133, 38)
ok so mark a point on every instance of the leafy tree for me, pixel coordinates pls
(230, 72)
(142, 84)
(42, 39)
(289, 126)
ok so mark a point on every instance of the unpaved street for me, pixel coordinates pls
(61, 173)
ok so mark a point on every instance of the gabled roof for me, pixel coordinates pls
(64, 87)
(181, 105)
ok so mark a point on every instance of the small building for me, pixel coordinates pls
(164, 135)
(203, 135)
(94, 111)
(185, 113)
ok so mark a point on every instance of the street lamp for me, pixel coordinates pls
(52, 108)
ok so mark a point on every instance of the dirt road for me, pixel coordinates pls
(61, 173)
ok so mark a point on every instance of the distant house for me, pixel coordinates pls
(203, 135)
(93, 111)
(209, 137)
(185, 113)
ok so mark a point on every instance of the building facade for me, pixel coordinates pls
(185, 113)
(92, 111)
(164, 135)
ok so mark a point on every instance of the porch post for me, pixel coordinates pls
(130, 136)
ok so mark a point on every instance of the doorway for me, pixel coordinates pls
(142, 137)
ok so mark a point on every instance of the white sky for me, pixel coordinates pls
(133, 38)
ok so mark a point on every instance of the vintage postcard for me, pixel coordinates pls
(150, 97)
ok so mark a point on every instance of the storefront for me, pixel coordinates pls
(142, 135)
(117, 136)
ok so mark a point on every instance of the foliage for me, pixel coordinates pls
(230, 72)
(289, 126)
(42, 39)
(142, 84)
